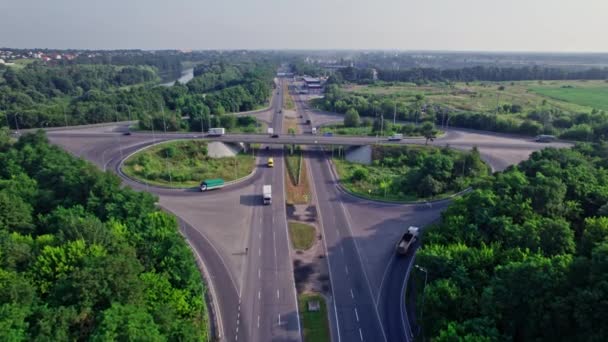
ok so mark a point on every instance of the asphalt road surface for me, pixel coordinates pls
(244, 245)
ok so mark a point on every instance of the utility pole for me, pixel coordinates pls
(65, 117)
(395, 114)
(16, 123)
(382, 125)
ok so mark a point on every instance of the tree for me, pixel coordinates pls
(428, 131)
(127, 323)
(351, 118)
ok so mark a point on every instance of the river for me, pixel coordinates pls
(187, 75)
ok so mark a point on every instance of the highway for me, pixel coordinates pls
(244, 246)
(269, 299)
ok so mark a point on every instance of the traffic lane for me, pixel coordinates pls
(223, 292)
(377, 229)
(392, 303)
(305, 139)
(288, 327)
(349, 283)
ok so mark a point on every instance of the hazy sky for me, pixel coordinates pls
(496, 25)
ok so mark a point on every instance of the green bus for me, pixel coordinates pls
(210, 184)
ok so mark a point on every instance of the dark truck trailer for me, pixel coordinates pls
(408, 239)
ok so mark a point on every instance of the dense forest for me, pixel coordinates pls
(82, 258)
(40, 95)
(524, 256)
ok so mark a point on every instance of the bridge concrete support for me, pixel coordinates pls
(359, 154)
(218, 149)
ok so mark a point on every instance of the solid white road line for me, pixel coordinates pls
(352, 295)
(360, 334)
(356, 314)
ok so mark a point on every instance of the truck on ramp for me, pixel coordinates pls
(407, 240)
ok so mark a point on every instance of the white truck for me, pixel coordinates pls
(218, 132)
(270, 130)
(267, 194)
(407, 240)
(314, 130)
(395, 137)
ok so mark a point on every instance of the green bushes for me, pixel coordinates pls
(523, 256)
(410, 173)
(88, 259)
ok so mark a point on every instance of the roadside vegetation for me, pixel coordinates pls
(571, 109)
(386, 129)
(185, 164)
(315, 324)
(296, 181)
(302, 235)
(524, 256)
(410, 173)
(84, 258)
(287, 99)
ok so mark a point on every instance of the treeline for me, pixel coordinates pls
(47, 96)
(477, 73)
(84, 258)
(524, 256)
(585, 126)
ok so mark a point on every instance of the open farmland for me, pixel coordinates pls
(486, 96)
(592, 93)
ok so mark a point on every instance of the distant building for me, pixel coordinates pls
(312, 84)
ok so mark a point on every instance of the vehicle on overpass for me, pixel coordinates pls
(267, 194)
(545, 138)
(275, 136)
(270, 162)
(395, 137)
(210, 184)
(314, 130)
(270, 131)
(407, 240)
(328, 134)
(217, 132)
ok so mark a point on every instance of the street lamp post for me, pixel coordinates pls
(426, 273)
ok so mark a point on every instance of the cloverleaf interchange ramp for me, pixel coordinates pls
(244, 245)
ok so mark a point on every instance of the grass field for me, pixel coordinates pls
(589, 94)
(185, 164)
(484, 96)
(302, 235)
(315, 325)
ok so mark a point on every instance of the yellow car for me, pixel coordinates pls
(270, 162)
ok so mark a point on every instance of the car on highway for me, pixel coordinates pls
(126, 133)
(270, 162)
(395, 137)
(328, 134)
(275, 136)
(545, 138)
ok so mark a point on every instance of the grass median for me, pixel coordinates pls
(185, 164)
(315, 324)
(302, 235)
(296, 180)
